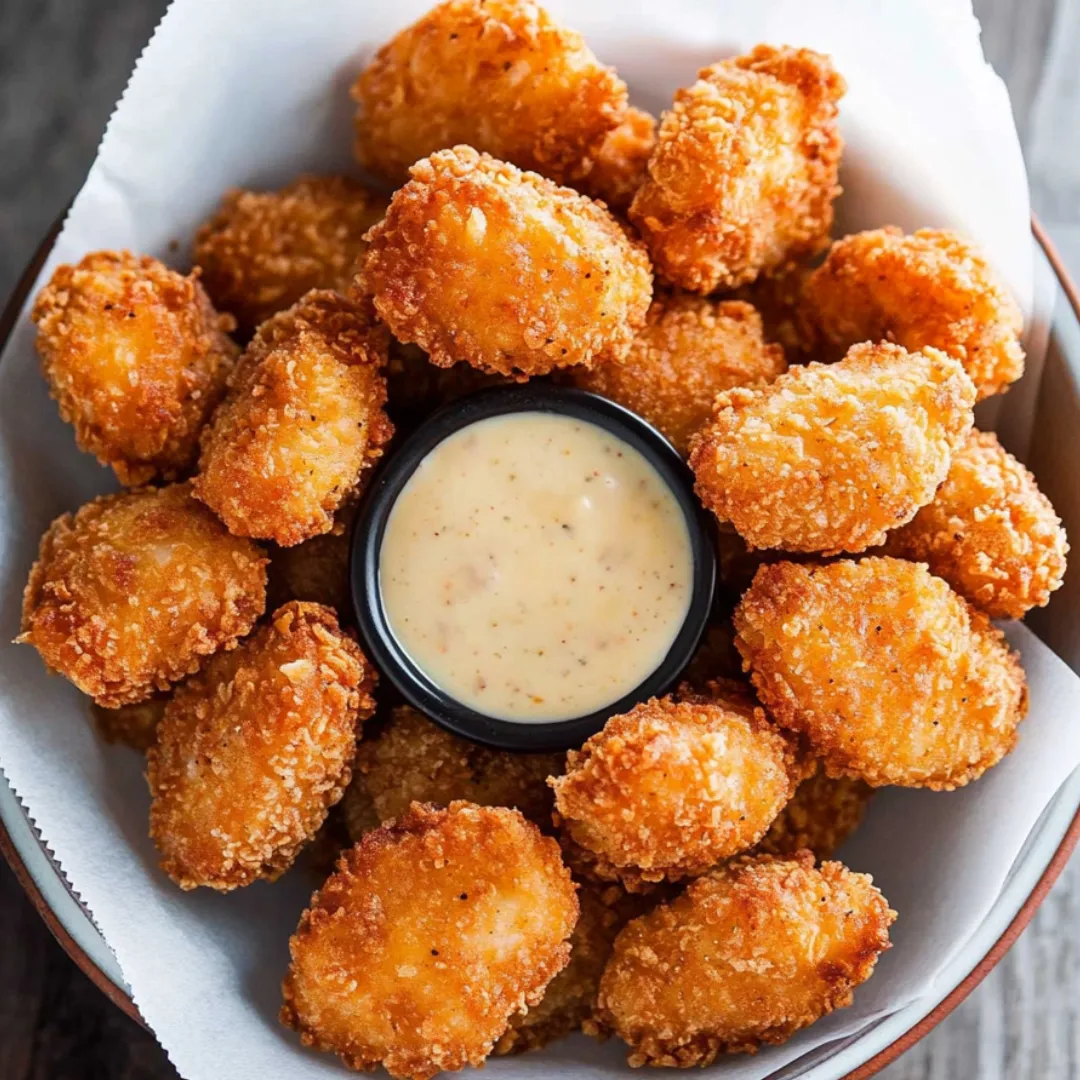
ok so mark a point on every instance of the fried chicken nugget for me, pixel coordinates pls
(303, 419)
(743, 176)
(616, 170)
(689, 350)
(569, 1000)
(134, 590)
(134, 726)
(136, 357)
(750, 954)
(822, 814)
(478, 261)
(255, 749)
(829, 457)
(930, 288)
(670, 788)
(890, 676)
(499, 75)
(990, 532)
(262, 250)
(434, 931)
(415, 760)
(317, 569)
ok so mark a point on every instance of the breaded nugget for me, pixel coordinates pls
(415, 760)
(689, 349)
(263, 250)
(778, 299)
(570, 997)
(890, 676)
(822, 814)
(317, 569)
(433, 932)
(499, 75)
(743, 176)
(478, 261)
(670, 788)
(750, 954)
(616, 170)
(931, 288)
(136, 358)
(304, 418)
(990, 532)
(134, 726)
(254, 750)
(134, 590)
(829, 457)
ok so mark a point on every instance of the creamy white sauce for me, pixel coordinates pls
(536, 567)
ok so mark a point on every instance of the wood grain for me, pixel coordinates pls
(63, 64)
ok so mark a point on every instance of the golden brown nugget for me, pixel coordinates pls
(134, 726)
(570, 997)
(829, 457)
(822, 814)
(689, 349)
(262, 250)
(317, 569)
(478, 261)
(778, 300)
(304, 418)
(136, 358)
(135, 590)
(499, 75)
(671, 788)
(930, 288)
(743, 176)
(890, 676)
(415, 760)
(750, 954)
(617, 168)
(253, 751)
(990, 532)
(434, 931)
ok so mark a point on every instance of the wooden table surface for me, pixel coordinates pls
(63, 64)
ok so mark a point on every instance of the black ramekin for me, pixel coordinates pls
(392, 475)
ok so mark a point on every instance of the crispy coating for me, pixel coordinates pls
(499, 75)
(134, 590)
(778, 299)
(829, 457)
(317, 569)
(750, 954)
(304, 418)
(930, 288)
(570, 997)
(136, 358)
(617, 168)
(134, 726)
(254, 750)
(433, 932)
(478, 261)
(822, 814)
(891, 677)
(670, 788)
(743, 176)
(990, 532)
(414, 760)
(689, 349)
(262, 250)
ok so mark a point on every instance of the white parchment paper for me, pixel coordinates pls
(252, 92)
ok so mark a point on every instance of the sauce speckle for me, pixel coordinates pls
(536, 567)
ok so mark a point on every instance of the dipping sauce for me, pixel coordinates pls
(536, 567)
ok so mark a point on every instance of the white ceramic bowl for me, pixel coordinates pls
(1037, 867)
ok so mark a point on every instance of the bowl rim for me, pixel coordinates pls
(871, 1067)
(392, 477)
